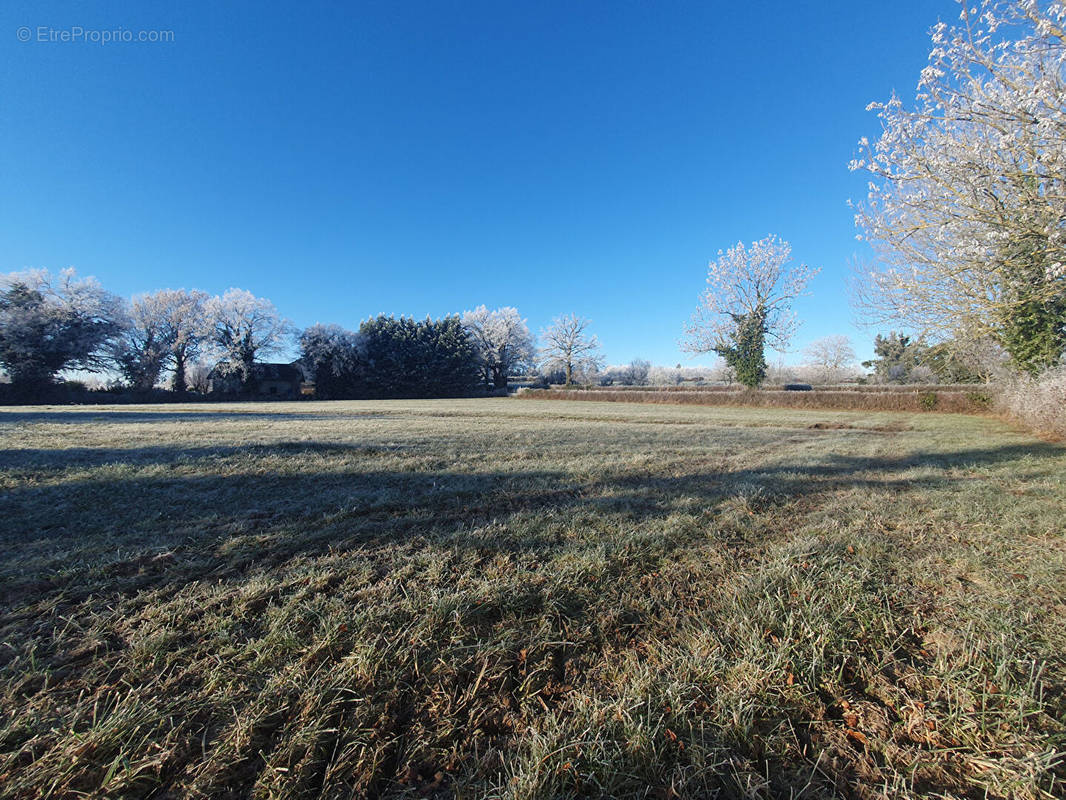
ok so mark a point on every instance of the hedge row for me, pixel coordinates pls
(870, 388)
(972, 401)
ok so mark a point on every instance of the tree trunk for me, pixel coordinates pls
(499, 378)
(179, 385)
(248, 381)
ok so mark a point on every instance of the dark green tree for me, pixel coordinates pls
(1032, 324)
(451, 358)
(404, 358)
(897, 355)
(744, 350)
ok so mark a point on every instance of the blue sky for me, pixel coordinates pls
(422, 158)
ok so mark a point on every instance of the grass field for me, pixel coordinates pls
(497, 598)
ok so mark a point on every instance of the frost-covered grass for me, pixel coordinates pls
(499, 598)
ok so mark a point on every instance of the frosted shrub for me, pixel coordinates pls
(1039, 404)
(664, 376)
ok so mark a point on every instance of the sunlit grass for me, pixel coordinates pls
(499, 598)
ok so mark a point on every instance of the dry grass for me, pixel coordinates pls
(862, 388)
(501, 599)
(971, 400)
(1038, 404)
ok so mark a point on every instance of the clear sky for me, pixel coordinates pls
(422, 158)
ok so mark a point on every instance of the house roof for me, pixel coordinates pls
(269, 372)
(278, 372)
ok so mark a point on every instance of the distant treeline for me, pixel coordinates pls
(183, 344)
(391, 357)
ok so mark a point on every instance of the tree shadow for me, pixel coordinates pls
(163, 455)
(112, 416)
(839, 470)
(153, 531)
(226, 524)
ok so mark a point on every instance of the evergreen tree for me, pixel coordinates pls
(1032, 322)
(404, 358)
(896, 355)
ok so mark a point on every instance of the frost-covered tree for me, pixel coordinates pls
(333, 358)
(969, 356)
(747, 305)
(830, 356)
(51, 323)
(243, 328)
(664, 376)
(165, 329)
(184, 322)
(967, 198)
(198, 376)
(957, 360)
(568, 346)
(142, 349)
(503, 342)
(636, 374)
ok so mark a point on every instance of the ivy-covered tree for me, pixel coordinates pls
(743, 347)
(1031, 324)
(747, 305)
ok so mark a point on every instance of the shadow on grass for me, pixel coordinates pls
(112, 416)
(227, 524)
(88, 457)
(220, 527)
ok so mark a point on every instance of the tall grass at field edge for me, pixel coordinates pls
(874, 388)
(974, 401)
(1039, 404)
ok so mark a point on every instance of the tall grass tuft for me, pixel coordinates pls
(1037, 403)
(971, 400)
